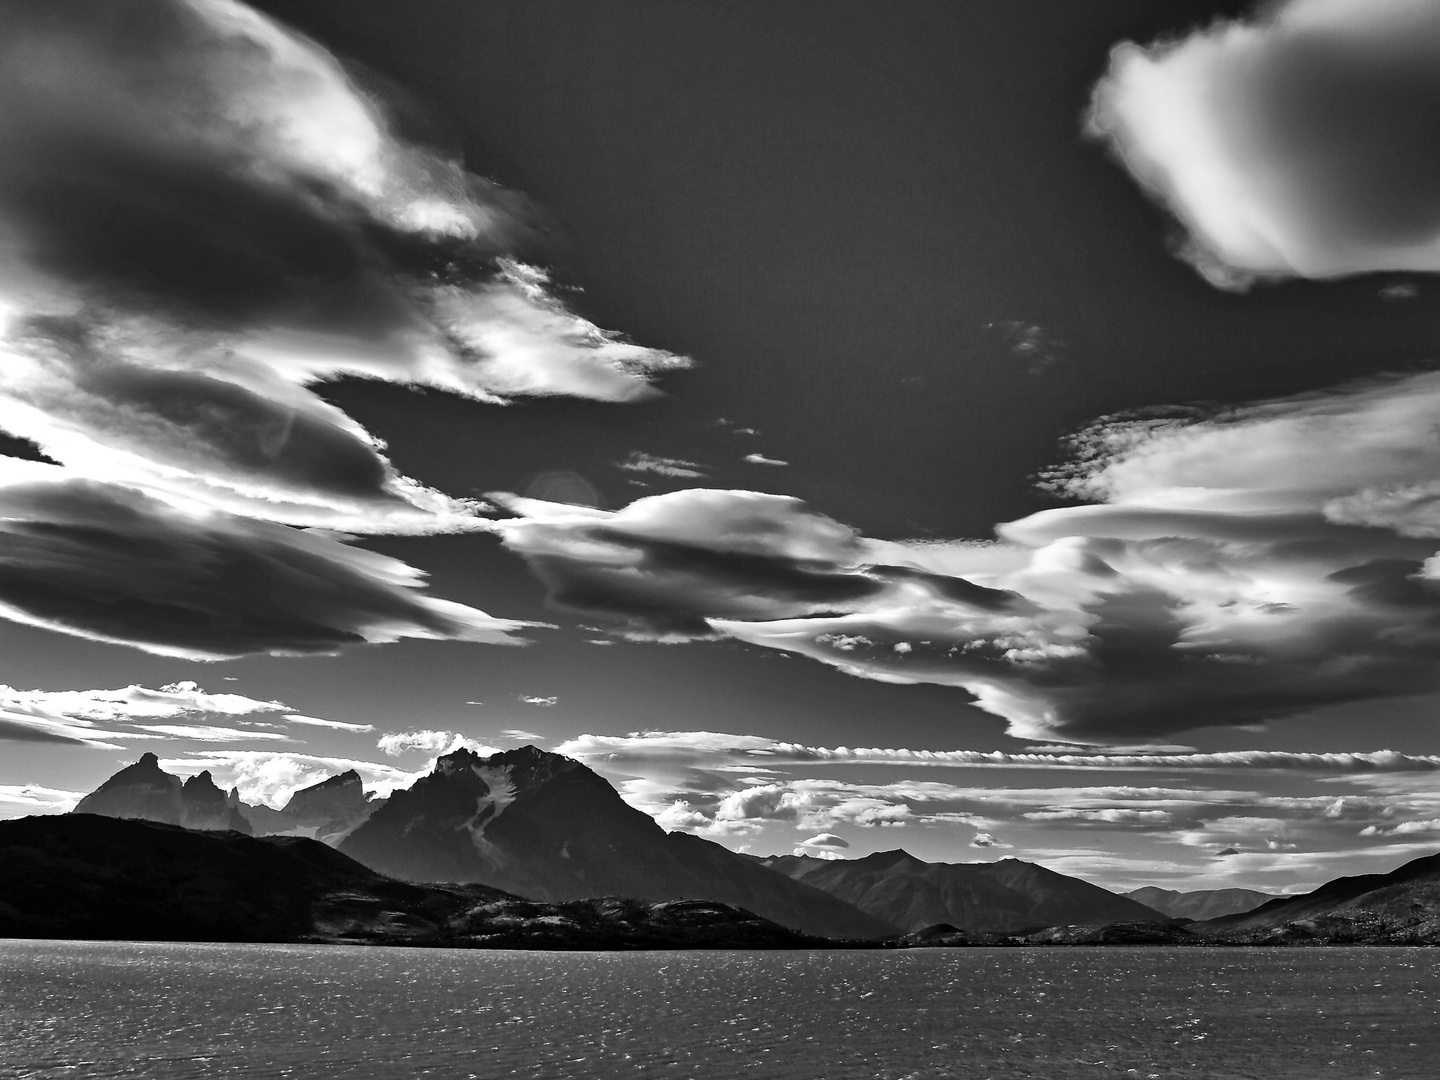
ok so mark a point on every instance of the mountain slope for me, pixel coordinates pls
(146, 791)
(95, 877)
(326, 811)
(1200, 904)
(1000, 897)
(545, 826)
(1398, 908)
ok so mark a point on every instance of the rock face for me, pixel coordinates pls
(146, 791)
(328, 811)
(84, 876)
(1398, 908)
(205, 806)
(1005, 897)
(545, 826)
(1201, 904)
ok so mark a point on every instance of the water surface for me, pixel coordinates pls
(124, 1009)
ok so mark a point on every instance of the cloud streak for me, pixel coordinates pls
(205, 215)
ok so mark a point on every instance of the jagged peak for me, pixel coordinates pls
(201, 780)
(344, 779)
(149, 760)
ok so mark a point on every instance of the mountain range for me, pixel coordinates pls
(1199, 905)
(545, 827)
(1398, 908)
(1005, 897)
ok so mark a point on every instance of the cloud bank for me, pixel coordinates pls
(1298, 142)
(202, 215)
(91, 717)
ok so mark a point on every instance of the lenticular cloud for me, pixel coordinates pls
(201, 216)
(1298, 143)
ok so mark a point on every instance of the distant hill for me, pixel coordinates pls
(545, 826)
(1004, 897)
(93, 877)
(1398, 908)
(1201, 904)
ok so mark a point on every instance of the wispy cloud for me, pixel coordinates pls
(206, 215)
(761, 459)
(542, 702)
(95, 717)
(641, 462)
(337, 725)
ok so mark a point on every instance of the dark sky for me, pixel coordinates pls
(906, 276)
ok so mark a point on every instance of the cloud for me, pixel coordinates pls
(541, 702)
(1226, 574)
(271, 777)
(92, 717)
(689, 748)
(431, 742)
(1030, 343)
(316, 721)
(1298, 142)
(824, 840)
(22, 800)
(761, 459)
(113, 564)
(521, 735)
(987, 840)
(639, 461)
(206, 215)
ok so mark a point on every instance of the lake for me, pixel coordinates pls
(82, 1009)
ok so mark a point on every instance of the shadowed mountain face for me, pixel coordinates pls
(1000, 897)
(1398, 908)
(545, 826)
(326, 811)
(1202, 904)
(85, 876)
(144, 790)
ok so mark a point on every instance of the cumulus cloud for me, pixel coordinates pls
(1296, 142)
(431, 742)
(271, 777)
(987, 840)
(92, 717)
(204, 215)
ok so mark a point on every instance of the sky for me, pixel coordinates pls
(998, 431)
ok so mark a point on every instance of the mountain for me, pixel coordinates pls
(1398, 908)
(94, 877)
(1199, 905)
(327, 811)
(545, 826)
(1003, 897)
(144, 790)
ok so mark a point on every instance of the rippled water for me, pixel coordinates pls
(161, 1010)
